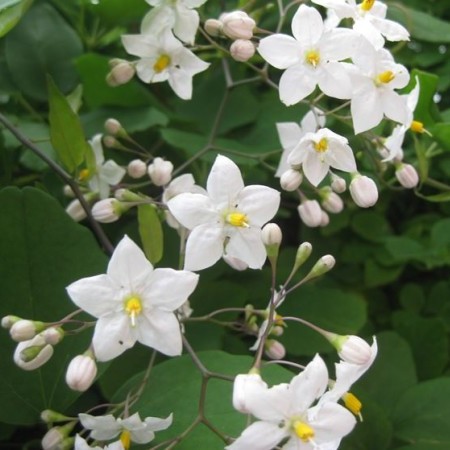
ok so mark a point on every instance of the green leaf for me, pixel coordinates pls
(412, 297)
(403, 249)
(42, 44)
(437, 198)
(370, 225)
(427, 446)
(11, 12)
(441, 133)
(151, 233)
(66, 132)
(426, 110)
(42, 252)
(422, 414)
(376, 274)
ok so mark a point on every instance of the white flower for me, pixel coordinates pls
(133, 303)
(81, 444)
(106, 173)
(375, 75)
(317, 152)
(226, 221)
(369, 18)
(130, 429)
(178, 15)
(290, 134)
(286, 411)
(393, 145)
(164, 58)
(310, 57)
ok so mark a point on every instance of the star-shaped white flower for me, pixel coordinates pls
(133, 302)
(286, 411)
(310, 58)
(164, 58)
(106, 173)
(227, 220)
(369, 19)
(81, 444)
(317, 152)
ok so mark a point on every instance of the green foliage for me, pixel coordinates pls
(151, 232)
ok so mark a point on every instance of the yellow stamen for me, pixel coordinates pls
(312, 57)
(385, 77)
(133, 308)
(84, 175)
(161, 63)
(125, 439)
(321, 146)
(366, 5)
(303, 431)
(352, 403)
(417, 126)
(237, 220)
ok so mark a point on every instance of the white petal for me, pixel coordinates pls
(111, 172)
(280, 50)
(204, 247)
(299, 152)
(272, 404)
(192, 210)
(156, 21)
(342, 158)
(289, 134)
(160, 330)
(168, 289)
(338, 44)
(246, 244)
(393, 31)
(314, 168)
(394, 106)
(224, 180)
(140, 45)
(96, 145)
(181, 83)
(189, 62)
(334, 81)
(112, 336)
(157, 424)
(259, 203)
(296, 83)
(186, 24)
(307, 25)
(104, 427)
(366, 111)
(193, 3)
(373, 35)
(258, 436)
(312, 120)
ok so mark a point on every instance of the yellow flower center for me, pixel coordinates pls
(321, 146)
(312, 57)
(125, 439)
(385, 77)
(237, 220)
(161, 63)
(303, 431)
(366, 5)
(84, 175)
(352, 403)
(417, 126)
(133, 308)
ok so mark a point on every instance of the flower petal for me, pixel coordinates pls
(366, 110)
(314, 168)
(224, 181)
(258, 436)
(103, 427)
(186, 24)
(296, 83)
(246, 244)
(280, 50)
(259, 203)
(307, 26)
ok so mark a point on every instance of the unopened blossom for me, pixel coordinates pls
(286, 412)
(160, 171)
(227, 220)
(242, 50)
(310, 212)
(325, 220)
(364, 191)
(317, 152)
(274, 349)
(81, 372)
(331, 202)
(24, 330)
(81, 444)
(237, 25)
(121, 73)
(133, 302)
(369, 20)
(338, 184)
(407, 176)
(310, 58)
(75, 210)
(164, 58)
(290, 134)
(32, 354)
(130, 429)
(136, 168)
(290, 180)
(108, 210)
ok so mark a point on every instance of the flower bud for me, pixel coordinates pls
(137, 168)
(237, 25)
(81, 373)
(242, 50)
(24, 330)
(291, 180)
(111, 142)
(53, 335)
(113, 126)
(75, 210)
(55, 438)
(325, 220)
(160, 171)
(9, 321)
(338, 184)
(32, 354)
(332, 203)
(303, 253)
(364, 191)
(50, 416)
(352, 349)
(213, 27)
(323, 265)
(407, 176)
(235, 263)
(246, 386)
(274, 349)
(277, 330)
(120, 74)
(108, 210)
(68, 191)
(271, 234)
(310, 212)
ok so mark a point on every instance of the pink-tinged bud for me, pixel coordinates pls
(213, 27)
(32, 354)
(274, 349)
(53, 335)
(237, 25)
(136, 168)
(277, 330)
(111, 142)
(242, 50)
(325, 219)
(311, 213)
(160, 171)
(338, 184)
(407, 176)
(81, 373)
(113, 126)
(75, 210)
(24, 330)
(235, 263)
(271, 234)
(352, 349)
(332, 203)
(120, 74)
(55, 438)
(9, 321)
(364, 191)
(246, 386)
(291, 180)
(108, 210)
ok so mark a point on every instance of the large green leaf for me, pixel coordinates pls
(11, 12)
(151, 233)
(41, 251)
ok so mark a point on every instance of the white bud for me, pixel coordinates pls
(277, 330)
(271, 234)
(407, 176)
(291, 180)
(53, 335)
(246, 386)
(242, 50)
(24, 330)
(325, 220)
(160, 171)
(364, 191)
(235, 263)
(323, 265)
(136, 168)
(9, 321)
(68, 192)
(111, 142)
(120, 74)
(107, 210)
(237, 25)
(353, 349)
(75, 210)
(338, 184)
(332, 203)
(213, 27)
(53, 439)
(303, 253)
(32, 354)
(81, 373)
(274, 349)
(113, 126)
(310, 212)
